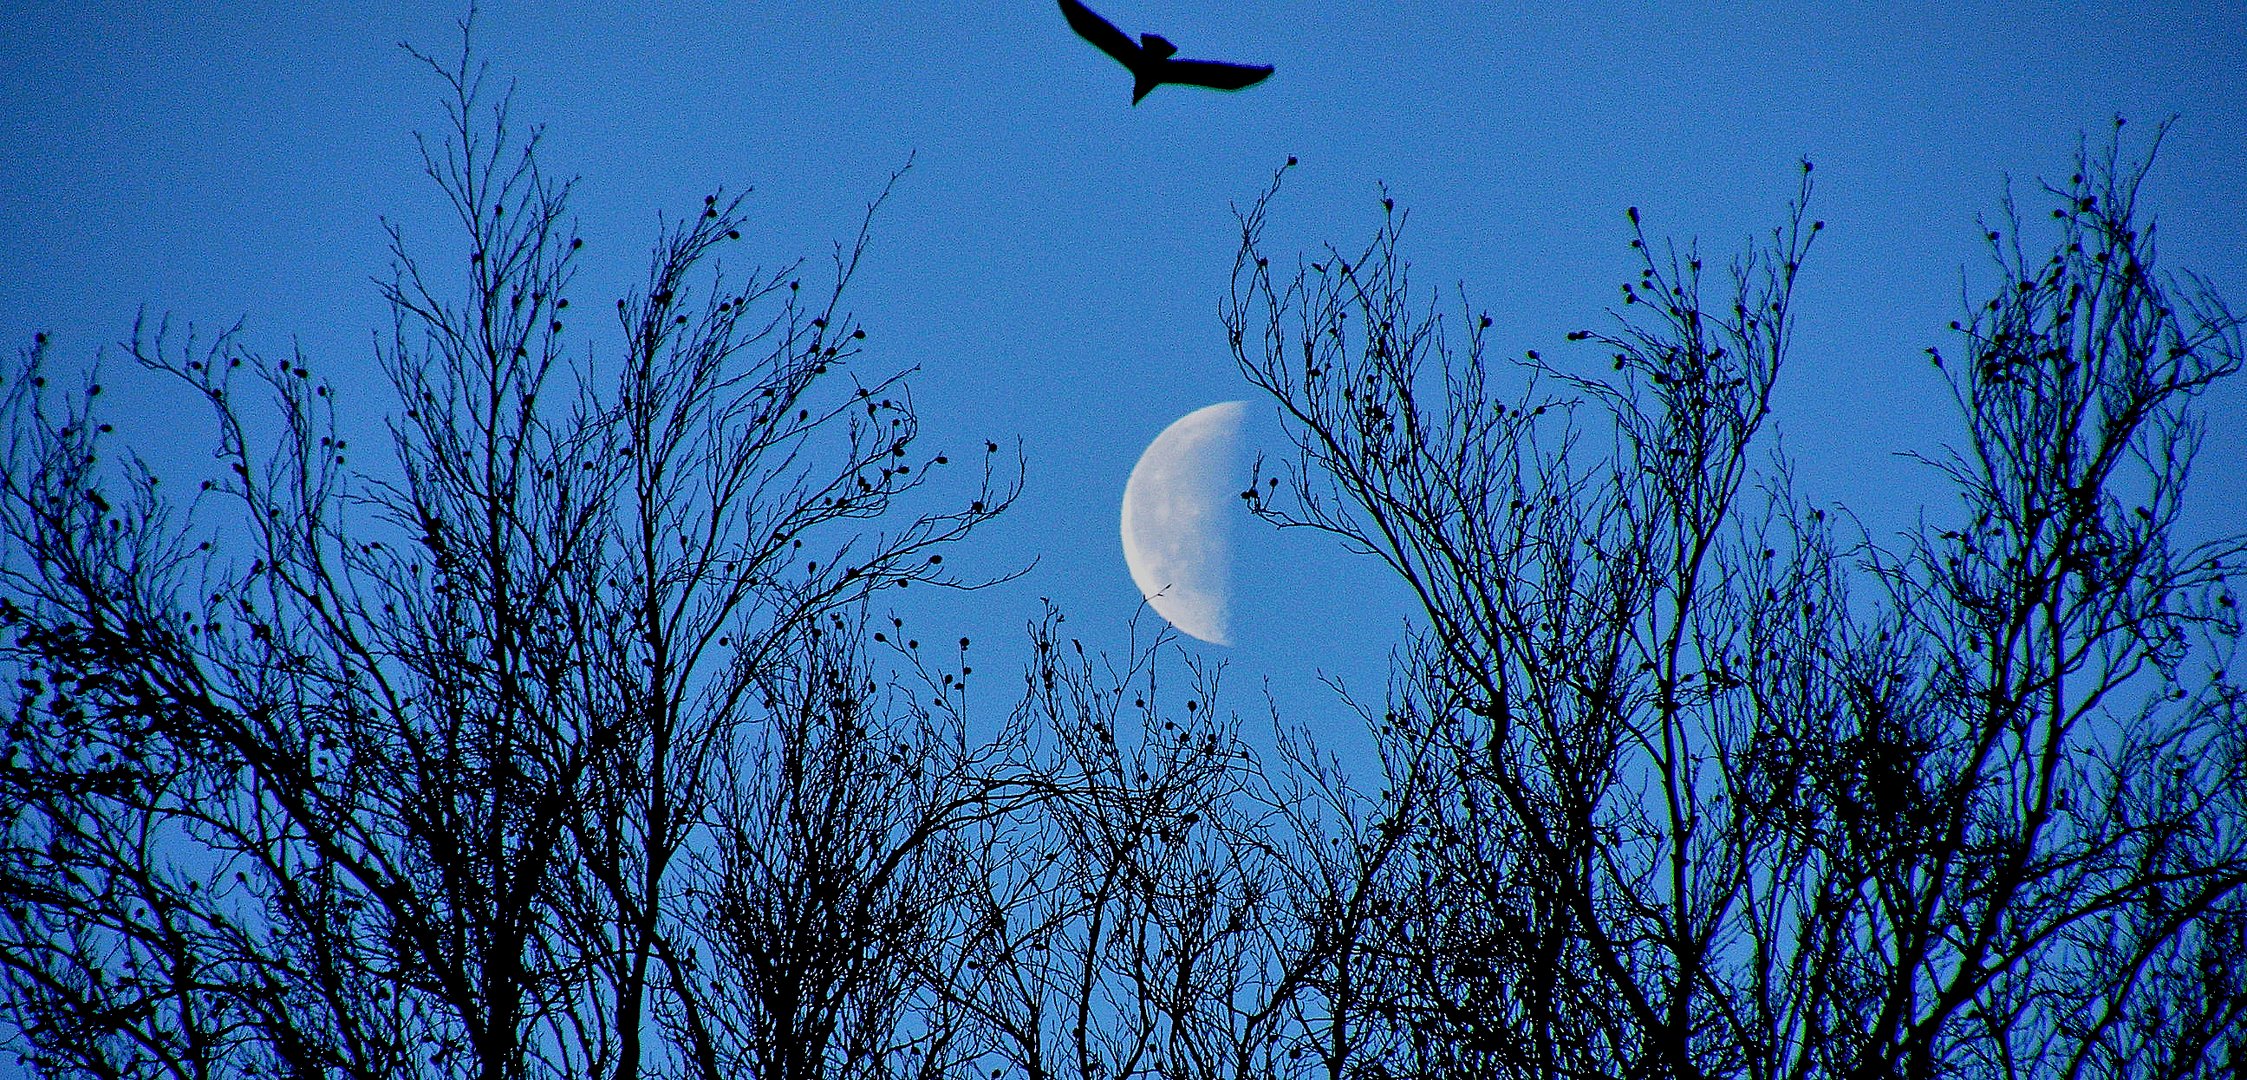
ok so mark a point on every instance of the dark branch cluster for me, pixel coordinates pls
(1679, 781)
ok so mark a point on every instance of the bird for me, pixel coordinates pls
(1150, 58)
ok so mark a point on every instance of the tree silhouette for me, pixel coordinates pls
(1132, 917)
(330, 772)
(1684, 781)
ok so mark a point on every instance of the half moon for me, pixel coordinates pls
(1176, 534)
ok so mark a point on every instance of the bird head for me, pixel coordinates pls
(1157, 46)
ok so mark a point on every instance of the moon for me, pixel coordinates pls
(1176, 533)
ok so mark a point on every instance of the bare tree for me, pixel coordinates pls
(331, 772)
(1681, 783)
(1128, 917)
(563, 744)
(837, 880)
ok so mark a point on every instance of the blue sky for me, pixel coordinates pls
(1054, 260)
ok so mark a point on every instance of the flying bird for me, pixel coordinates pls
(1149, 58)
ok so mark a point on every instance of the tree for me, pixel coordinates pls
(1681, 781)
(1131, 923)
(325, 771)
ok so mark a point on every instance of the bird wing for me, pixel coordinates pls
(1101, 33)
(1214, 74)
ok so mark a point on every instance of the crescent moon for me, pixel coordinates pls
(1175, 531)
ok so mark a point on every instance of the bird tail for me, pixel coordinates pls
(1141, 84)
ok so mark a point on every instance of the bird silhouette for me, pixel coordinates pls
(1150, 57)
